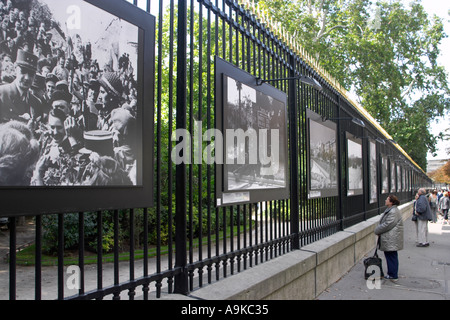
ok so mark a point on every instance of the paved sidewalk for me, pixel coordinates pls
(424, 273)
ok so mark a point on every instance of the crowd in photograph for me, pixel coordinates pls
(64, 120)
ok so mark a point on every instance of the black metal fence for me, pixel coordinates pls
(185, 241)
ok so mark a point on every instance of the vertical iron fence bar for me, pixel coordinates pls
(302, 134)
(181, 279)
(249, 45)
(131, 291)
(170, 178)
(146, 285)
(60, 256)
(38, 259)
(81, 251)
(12, 257)
(224, 42)
(191, 127)
(293, 143)
(312, 203)
(199, 166)
(217, 242)
(200, 118)
(257, 206)
(284, 225)
(250, 234)
(339, 173)
(116, 294)
(266, 228)
(230, 34)
(158, 149)
(145, 288)
(244, 55)
(238, 235)
(210, 123)
(240, 62)
(258, 55)
(231, 239)
(261, 230)
(158, 283)
(244, 220)
(224, 241)
(99, 253)
(273, 221)
(277, 228)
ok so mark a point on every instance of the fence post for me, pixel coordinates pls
(293, 143)
(340, 213)
(181, 279)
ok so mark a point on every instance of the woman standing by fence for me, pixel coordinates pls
(390, 232)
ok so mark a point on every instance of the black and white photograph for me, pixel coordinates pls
(384, 175)
(322, 158)
(373, 190)
(68, 94)
(251, 110)
(354, 166)
(393, 177)
(253, 121)
(71, 100)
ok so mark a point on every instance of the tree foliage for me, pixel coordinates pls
(442, 175)
(384, 52)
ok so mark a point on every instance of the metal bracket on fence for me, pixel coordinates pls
(377, 139)
(356, 121)
(304, 79)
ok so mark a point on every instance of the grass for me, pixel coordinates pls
(27, 256)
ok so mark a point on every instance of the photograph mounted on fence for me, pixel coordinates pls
(76, 106)
(393, 176)
(354, 165)
(322, 150)
(384, 174)
(253, 123)
(373, 173)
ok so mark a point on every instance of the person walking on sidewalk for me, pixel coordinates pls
(444, 205)
(433, 205)
(423, 212)
(414, 218)
(390, 232)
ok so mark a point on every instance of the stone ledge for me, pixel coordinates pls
(262, 280)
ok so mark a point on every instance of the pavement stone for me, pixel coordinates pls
(424, 272)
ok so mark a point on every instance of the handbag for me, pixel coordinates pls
(373, 264)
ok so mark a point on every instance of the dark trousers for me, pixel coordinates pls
(392, 263)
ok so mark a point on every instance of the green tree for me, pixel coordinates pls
(384, 52)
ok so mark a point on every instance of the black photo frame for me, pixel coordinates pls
(354, 165)
(322, 156)
(121, 30)
(258, 111)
